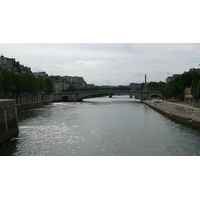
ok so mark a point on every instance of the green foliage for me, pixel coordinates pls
(123, 87)
(6, 82)
(48, 86)
(155, 85)
(176, 88)
(170, 90)
(120, 87)
(198, 90)
(195, 89)
(186, 79)
(16, 84)
(142, 86)
(72, 88)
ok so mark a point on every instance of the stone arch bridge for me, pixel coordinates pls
(79, 96)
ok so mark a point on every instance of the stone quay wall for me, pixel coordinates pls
(8, 120)
(30, 98)
(8, 112)
(181, 112)
(25, 101)
(31, 101)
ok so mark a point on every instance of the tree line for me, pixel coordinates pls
(172, 89)
(176, 88)
(14, 84)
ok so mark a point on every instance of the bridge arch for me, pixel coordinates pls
(155, 96)
(65, 99)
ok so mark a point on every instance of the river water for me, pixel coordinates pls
(118, 126)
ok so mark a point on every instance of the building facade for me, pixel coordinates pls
(171, 78)
(11, 65)
(61, 83)
(195, 69)
(40, 74)
(135, 86)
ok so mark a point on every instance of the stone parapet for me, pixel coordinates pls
(8, 120)
(7, 103)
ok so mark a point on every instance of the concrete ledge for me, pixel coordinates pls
(6, 103)
(179, 113)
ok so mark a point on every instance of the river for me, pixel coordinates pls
(118, 126)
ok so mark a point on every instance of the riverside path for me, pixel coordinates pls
(185, 113)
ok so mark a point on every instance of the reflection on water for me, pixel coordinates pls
(101, 126)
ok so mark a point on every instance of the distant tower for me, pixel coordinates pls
(145, 79)
(145, 88)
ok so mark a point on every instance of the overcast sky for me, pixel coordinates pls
(106, 42)
(106, 63)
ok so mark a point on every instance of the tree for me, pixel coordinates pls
(198, 90)
(48, 86)
(6, 82)
(194, 89)
(16, 84)
(1, 83)
(154, 86)
(40, 84)
(186, 79)
(72, 88)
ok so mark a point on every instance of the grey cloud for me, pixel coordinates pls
(85, 63)
(139, 74)
(37, 69)
(166, 73)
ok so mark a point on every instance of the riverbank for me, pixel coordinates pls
(181, 112)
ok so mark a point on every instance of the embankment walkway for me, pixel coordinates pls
(179, 111)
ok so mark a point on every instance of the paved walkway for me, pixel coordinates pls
(177, 109)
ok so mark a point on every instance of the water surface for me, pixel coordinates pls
(118, 126)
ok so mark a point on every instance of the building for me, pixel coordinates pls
(171, 78)
(188, 95)
(11, 65)
(90, 85)
(61, 83)
(135, 86)
(79, 81)
(195, 69)
(40, 74)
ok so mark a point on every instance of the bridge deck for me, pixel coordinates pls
(78, 96)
